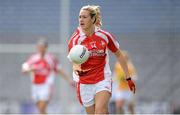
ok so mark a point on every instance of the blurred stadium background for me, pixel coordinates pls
(148, 29)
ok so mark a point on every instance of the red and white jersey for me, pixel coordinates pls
(98, 62)
(44, 67)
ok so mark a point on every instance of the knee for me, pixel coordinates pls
(101, 110)
(42, 107)
(120, 104)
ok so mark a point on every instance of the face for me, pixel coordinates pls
(85, 20)
(41, 48)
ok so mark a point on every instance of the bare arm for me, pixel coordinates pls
(134, 73)
(123, 63)
(124, 66)
(64, 75)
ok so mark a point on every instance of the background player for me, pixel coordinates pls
(43, 66)
(122, 94)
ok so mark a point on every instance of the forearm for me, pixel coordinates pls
(64, 75)
(124, 66)
(123, 63)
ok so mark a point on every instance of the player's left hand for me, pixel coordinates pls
(131, 85)
(78, 71)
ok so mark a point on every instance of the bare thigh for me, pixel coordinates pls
(102, 101)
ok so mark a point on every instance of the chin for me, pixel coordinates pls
(83, 27)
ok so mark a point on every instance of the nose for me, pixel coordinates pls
(80, 19)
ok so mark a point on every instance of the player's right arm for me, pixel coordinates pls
(27, 66)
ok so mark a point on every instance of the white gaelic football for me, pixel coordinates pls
(25, 67)
(79, 54)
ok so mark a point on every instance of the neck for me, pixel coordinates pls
(42, 55)
(89, 31)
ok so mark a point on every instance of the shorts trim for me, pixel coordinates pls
(78, 93)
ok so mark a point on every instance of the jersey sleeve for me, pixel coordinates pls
(70, 44)
(26, 65)
(31, 59)
(113, 44)
(72, 40)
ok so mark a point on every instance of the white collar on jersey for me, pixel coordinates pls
(81, 33)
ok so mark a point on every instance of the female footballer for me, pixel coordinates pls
(94, 76)
(42, 67)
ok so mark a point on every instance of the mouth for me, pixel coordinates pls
(82, 24)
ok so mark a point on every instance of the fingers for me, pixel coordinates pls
(132, 86)
(76, 72)
(134, 89)
(80, 73)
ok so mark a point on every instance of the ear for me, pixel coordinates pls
(94, 19)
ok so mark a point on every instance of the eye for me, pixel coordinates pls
(82, 16)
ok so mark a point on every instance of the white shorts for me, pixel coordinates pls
(124, 95)
(41, 92)
(86, 92)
